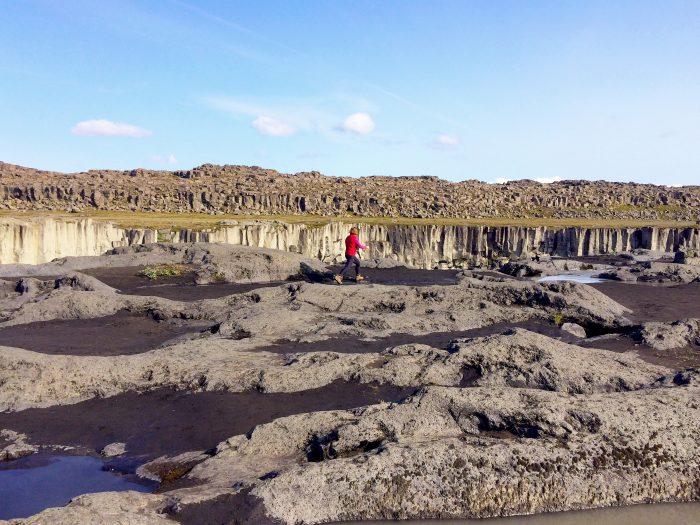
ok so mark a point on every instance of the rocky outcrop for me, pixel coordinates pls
(420, 246)
(445, 452)
(666, 336)
(299, 311)
(252, 190)
(660, 272)
(14, 445)
(452, 453)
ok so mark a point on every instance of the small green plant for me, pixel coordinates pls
(559, 319)
(163, 237)
(163, 270)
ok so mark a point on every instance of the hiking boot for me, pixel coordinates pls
(359, 278)
(339, 279)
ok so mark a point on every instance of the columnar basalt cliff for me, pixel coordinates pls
(254, 190)
(420, 246)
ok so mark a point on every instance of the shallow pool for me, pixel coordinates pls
(34, 483)
(583, 277)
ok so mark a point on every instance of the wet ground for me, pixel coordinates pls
(653, 302)
(123, 333)
(435, 339)
(170, 422)
(675, 358)
(36, 482)
(127, 280)
(402, 276)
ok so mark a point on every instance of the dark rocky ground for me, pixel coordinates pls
(123, 333)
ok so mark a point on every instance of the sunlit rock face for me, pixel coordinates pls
(44, 239)
(424, 246)
(34, 241)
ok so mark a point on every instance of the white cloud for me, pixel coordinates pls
(284, 117)
(541, 180)
(107, 128)
(273, 127)
(286, 114)
(548, 180)
(168, 159)
(445, 141)
(359, 123)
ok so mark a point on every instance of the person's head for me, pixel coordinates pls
(355, 231)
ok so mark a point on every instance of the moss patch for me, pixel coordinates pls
(161, 271)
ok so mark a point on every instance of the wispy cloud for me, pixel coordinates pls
(107, 128)
(445, 141)
(358, 123)
(225, 22)
(419, 107)
(165, 159)
(285, 117)
(310, 155)
(273, 127)
(541, 180)
(288, 116)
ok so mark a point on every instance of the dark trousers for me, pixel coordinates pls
(351, 260)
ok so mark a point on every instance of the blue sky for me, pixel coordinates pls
(486, 90)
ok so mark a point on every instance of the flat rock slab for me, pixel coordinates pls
(353, 345)
(402, 276)
(123, 333)
(650, 302)
(171, 422)
(127, 280)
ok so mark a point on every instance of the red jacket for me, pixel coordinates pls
(352, 243)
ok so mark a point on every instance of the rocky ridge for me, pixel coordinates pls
(254, 190)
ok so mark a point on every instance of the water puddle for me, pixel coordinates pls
(580, 277)
(34, 483)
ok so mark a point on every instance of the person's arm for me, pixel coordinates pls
(359, 244)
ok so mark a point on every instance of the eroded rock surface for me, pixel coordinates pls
(14, 445)
(510, 423)
(665, 336)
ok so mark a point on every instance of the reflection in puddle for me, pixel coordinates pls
(32, 484)
(582, 277)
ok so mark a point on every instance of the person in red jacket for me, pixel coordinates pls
(352, 244)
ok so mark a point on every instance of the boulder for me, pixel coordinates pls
(574, 329)
(113, 449)
(666, 336)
